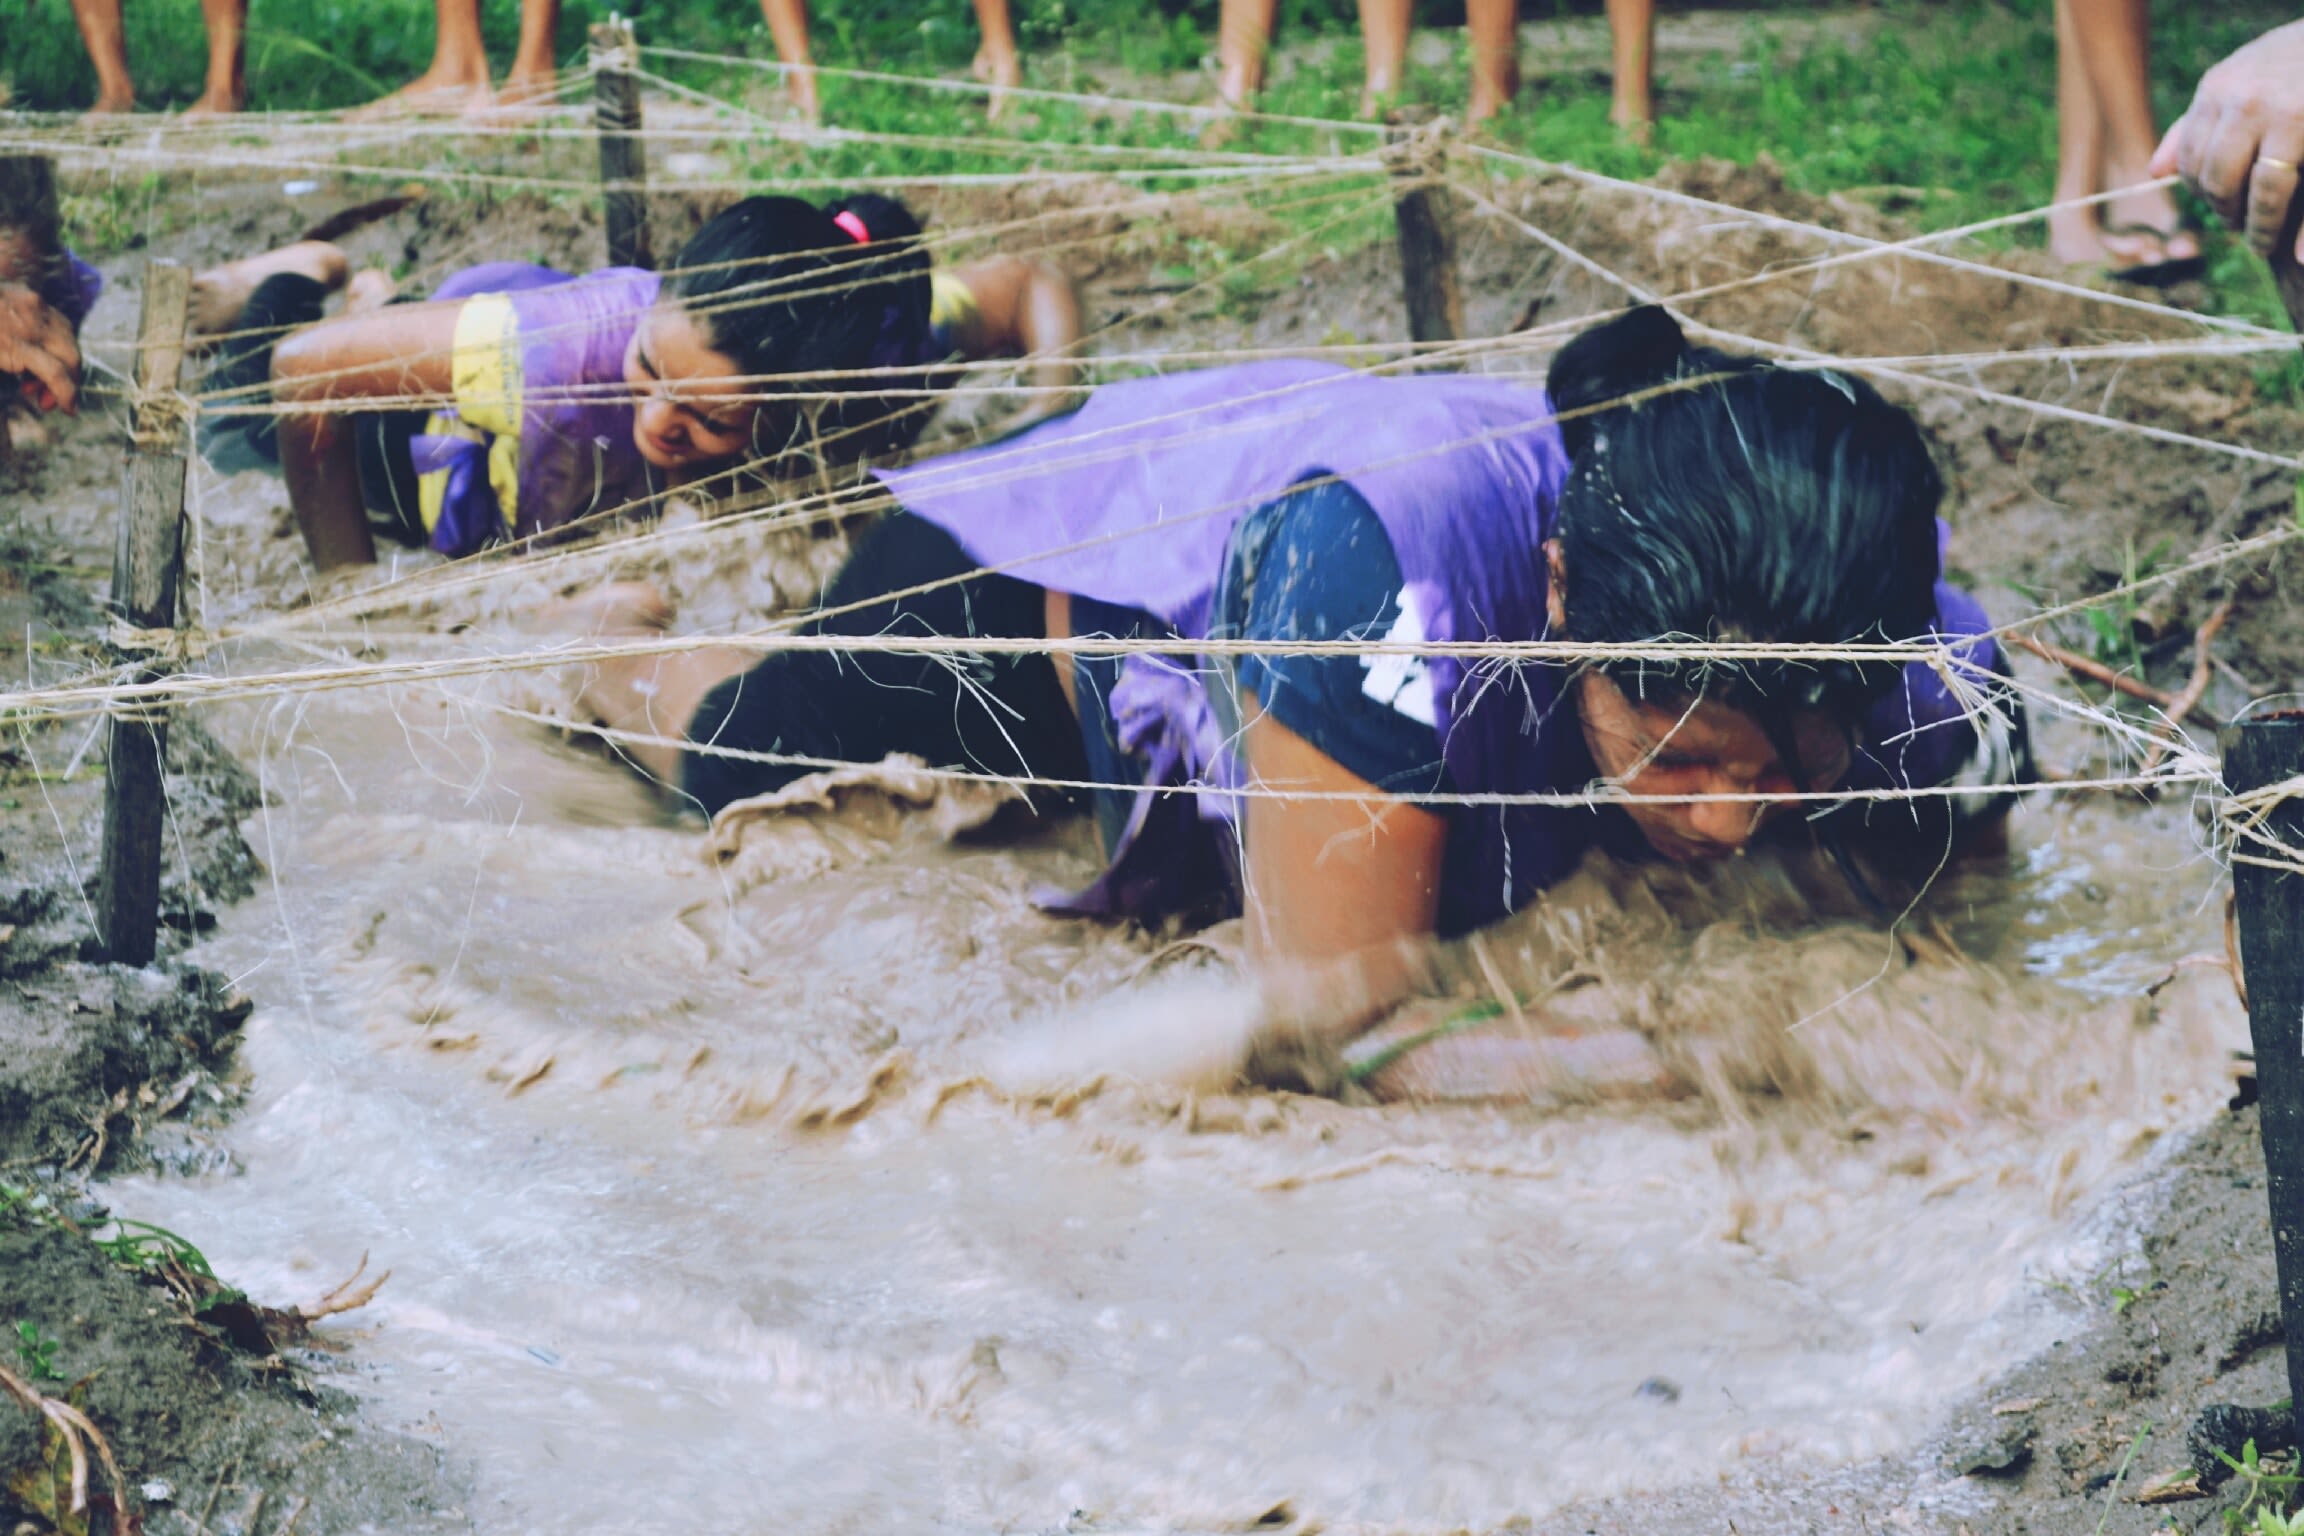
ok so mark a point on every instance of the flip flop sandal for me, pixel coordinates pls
(2158, 274)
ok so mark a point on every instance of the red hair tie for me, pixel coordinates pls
(854, 226)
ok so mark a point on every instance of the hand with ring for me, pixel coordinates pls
(2242, 138)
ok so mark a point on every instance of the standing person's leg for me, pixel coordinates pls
(788, 26)
(1384, 32)
(106, 38)
(1632, 41)
(1495, 29)
(2143, 231)
(534, 74)
(457, 80)
(996, 62)
(227, 23)
(1243, 33)
(2073, 233)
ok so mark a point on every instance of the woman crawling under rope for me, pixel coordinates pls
(573, 395)
(1298, 502)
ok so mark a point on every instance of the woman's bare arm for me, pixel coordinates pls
(1342, 897)
(386, 356)
(1024, 308)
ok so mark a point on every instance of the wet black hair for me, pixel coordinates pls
(1717, 497)
(778, 285)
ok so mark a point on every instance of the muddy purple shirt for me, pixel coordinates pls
(1133, 499)
(72, 290)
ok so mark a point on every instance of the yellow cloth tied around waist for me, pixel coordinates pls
(951, 307)
(489, 382)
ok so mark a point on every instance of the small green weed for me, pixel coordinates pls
(2267, 1493)
(154, 1252)
(37, 1355)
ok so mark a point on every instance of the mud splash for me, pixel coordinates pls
(701, 1212)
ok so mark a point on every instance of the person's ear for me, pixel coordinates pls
(1555, 587)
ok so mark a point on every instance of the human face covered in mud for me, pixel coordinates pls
(1697, 512)
(773, 287)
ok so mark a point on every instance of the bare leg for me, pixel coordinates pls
(1243, 32)
(1494, 25)
(533, 75)
(1384, 31)
(2114, 41)
(788, 26)
(107, 41)
(221, 293)
(1632, 38)
(647, 695)
(2073, 234)
(227, 23)
(457, 82)
(996, 63)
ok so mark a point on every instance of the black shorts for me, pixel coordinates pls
(1000, 714)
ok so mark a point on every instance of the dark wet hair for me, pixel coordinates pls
(782, 286)
(1750, 503)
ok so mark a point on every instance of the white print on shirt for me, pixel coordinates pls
(1402, 681)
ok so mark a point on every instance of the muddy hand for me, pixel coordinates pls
(37, 342)
(2242, 138)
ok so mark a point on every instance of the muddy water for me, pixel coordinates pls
(701, 1217)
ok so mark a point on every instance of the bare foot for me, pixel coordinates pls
(430, 95)
(2144, 229)
(219, 103)
(108, 107)
(371, 288)
(1003, 74)
(221, 293)
(528, 88)
(1491, 93)
(1634, 119)
(802, 84)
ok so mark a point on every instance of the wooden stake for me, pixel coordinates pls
(145, 572)
(1427, 232)
(28, 216)
(2260, 751)
(623, 157)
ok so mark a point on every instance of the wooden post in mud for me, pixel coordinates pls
(1427, 233)
(145, 572)
(2260, 752)
(623, 157)
(28, 222)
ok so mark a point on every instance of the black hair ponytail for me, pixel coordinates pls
(1715, 497)
(778, 285)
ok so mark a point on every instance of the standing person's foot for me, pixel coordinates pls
(521, 93)
(221, 293)
(1634, 116)
(219, 103)
(801, 82)
(108, 107)
(1001, 72)
(434, 93)
(1492, 92)
(2144, 237)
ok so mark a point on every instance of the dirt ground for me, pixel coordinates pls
(102, 1069)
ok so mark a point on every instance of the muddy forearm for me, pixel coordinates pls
(321, 465)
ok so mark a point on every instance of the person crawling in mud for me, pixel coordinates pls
(45, 295)
(1389, 795)
(579, 394)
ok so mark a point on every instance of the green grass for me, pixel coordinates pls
(1947, 117)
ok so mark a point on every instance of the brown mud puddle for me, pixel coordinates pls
(693, 1177)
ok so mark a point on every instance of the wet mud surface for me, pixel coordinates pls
(105, 1069)
(795, 1170)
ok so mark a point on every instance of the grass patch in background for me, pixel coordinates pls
(1945, 108)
